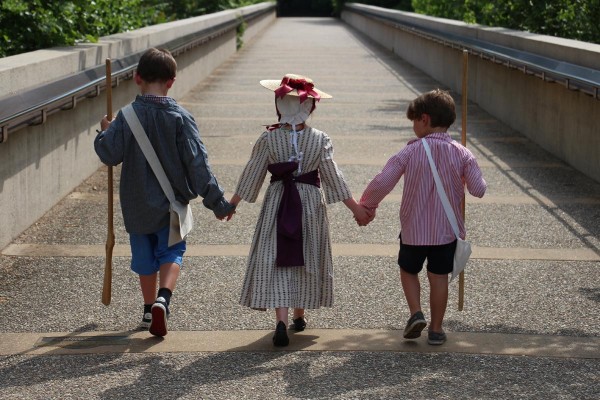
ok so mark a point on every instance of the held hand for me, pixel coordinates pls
(371, 213)
(230, 215)
(235, 200)
(225, 217)
(363, 216)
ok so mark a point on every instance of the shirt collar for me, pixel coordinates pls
(156, 99)
(445, 136)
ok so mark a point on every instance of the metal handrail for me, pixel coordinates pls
(573, 76)
(32, 107)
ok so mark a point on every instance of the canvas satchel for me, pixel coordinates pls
(463, 248)
(181, 218)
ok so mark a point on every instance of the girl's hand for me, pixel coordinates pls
(363, 215)
(235, 200)
(230, 215)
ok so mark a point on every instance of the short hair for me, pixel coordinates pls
(157, 65)
(438, 104)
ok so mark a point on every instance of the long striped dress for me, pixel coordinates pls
(310, 286)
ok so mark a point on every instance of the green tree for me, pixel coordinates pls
(573, 19)
(28, 25)
(405, 5)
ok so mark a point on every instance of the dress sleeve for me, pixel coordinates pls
(255, 171)
(334, 186)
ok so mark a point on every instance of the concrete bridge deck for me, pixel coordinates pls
(530, 327)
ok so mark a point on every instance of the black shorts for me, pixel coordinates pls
(440, 259)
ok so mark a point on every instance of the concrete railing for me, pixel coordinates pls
(41, 164)
(561, 120)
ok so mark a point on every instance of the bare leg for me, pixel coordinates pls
(281, 314)
(168, 275)
(148, 285)
(412, 290)
(438, 300)
(298, 313)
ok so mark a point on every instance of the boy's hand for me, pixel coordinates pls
(105, 123)
(363, 215)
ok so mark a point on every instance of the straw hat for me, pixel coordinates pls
(295, 85)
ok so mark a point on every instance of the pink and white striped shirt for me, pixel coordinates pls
(422, 217)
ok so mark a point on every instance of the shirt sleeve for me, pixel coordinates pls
(474, 181)
(109, 144)
(199, 174)
(334, 185)
(384, 182)
(253, 175)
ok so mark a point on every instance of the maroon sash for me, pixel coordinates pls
(290, 251)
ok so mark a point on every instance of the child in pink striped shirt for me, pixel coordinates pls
(426, 233)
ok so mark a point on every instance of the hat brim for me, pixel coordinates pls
(273, 84)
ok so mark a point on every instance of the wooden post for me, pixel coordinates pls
(110, 238)
(463, 139)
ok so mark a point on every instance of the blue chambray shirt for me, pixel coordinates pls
(174, 135)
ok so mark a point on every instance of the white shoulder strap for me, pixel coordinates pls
(140, 135)
(440, 190)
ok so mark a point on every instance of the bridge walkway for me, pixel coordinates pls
(529, 327)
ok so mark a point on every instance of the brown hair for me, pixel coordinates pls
(157, 65)
(438, 104)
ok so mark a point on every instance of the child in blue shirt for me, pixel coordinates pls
(174, 136)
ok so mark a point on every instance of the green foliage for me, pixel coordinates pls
(239, 36)
(573, 19)
(404, 5)
(28, 25)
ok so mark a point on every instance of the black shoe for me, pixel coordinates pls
(436, 338)
(415, 325)
(280, 339)
(299, 324)
(146, 321)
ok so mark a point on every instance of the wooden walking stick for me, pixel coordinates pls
(110, 239)
(463, 139)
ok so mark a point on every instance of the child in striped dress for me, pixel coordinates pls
(290, 263)
(425, 230)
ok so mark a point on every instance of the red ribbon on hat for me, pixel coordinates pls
(303, 87)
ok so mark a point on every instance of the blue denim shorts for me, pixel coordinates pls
(149, 252)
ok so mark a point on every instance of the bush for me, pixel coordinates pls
(28, 25)
(572, 19)
(404, 5)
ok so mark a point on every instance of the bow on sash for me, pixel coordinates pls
(290, 249)
(303, 87)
